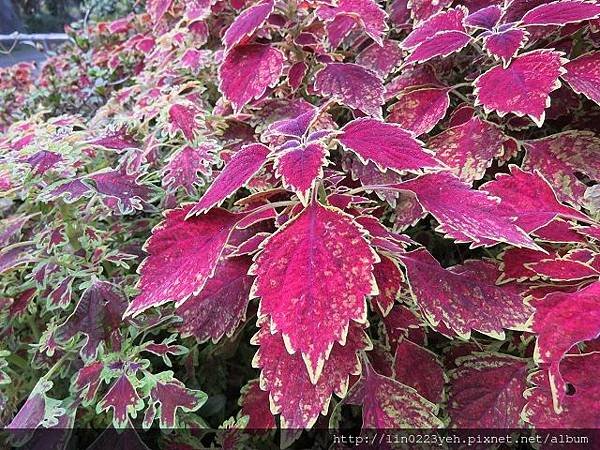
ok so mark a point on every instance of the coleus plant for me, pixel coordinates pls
(390, 209)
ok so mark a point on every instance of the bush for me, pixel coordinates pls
(277, 217)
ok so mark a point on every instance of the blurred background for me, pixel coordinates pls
(50, 16)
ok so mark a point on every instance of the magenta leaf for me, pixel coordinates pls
(167, 395)
(485, 18)
(560, 157)
(221, 304)
(123, 399)
(121, 191)
(69, 191)
(505, 44)
(528, 197)
(420, 110)
(560, 269)
(469, 148)
(579, 409)
(312, 308)
(247, 72)
(423, 9)
(389, 146)
(292, 393)
(183, 118)
(87, 381)
(389, 279)
(10, 228)
(561, 13)
(351, 85)
(182, 256)
(441, 44)
(42, 161)
(486, 391)
(97, 316)
(158, 8)
(387, 403)
(524, 87)
(247, 23)
(402, 323)
(367, 13)
(419, 368)
(184, 165)
(381, 59)
(461, 299)
(477, 218)
(300, 167)
(243, 166)
(254, 403)
(561, 320)
(118, 140)
(449, 20)
(583, 75)
(39, 410)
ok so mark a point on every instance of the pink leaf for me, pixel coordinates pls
(381, 59)
(247, 72)
(182, 256)
(366, 12)
(402, 323)
(386, 403)
(563, 269)
(312, 308)
(255, 404)
(118, 140)
(410, 77)
(560, 157)
(423, 9)
(514, 262)
(486, 391)
(485, 18)
(561, 13)
(183, 118)
(121, 191)
(157, 9)
(123, 399)
(442, 44)
(469, 148)
(419, 368)
(351, 85)
(300, 167)
(243, 166)
(247, 23)
(461, 300)
(420, 110)
(387, 145)
(221, 304)
(389, 279)
(561, 320)
(292, 393)
(167, 395)
(98, 315)
(449, 20)
(183, 167)
(583, 75)
(579, 409)
(505, 44)
(524, 87)
(477, 218)
(528, 197)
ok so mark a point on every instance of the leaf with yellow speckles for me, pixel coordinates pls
(561, 320)
(580, 407)
(182, 256)
(389, 280)
(311, 286)
(291, 391)
(486, 391)
(462, 299)
(560, 157)
(221, 305)
(477, 218)
(387, 403)
(420, 110)
(469, 148)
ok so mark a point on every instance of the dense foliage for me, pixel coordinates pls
(282, 216)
